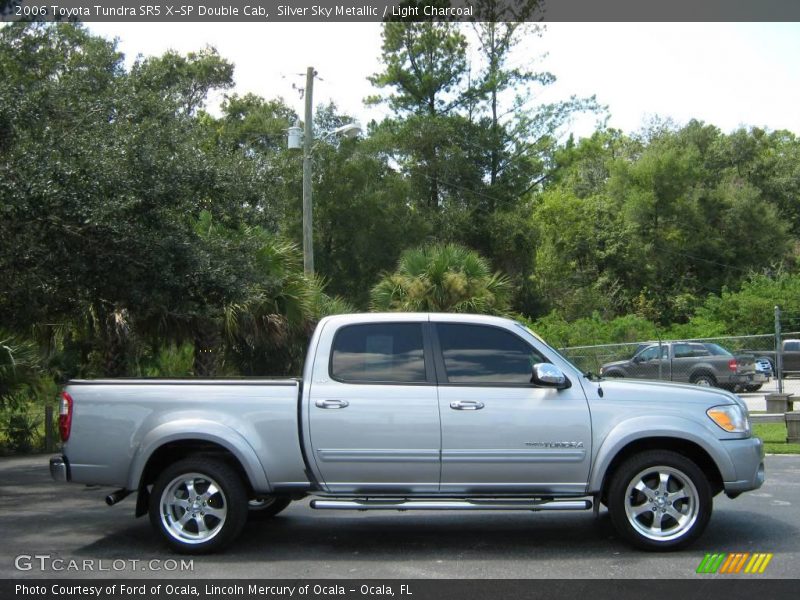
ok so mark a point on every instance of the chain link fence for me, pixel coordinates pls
(738, 363)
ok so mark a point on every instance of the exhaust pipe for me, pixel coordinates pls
(115, 497)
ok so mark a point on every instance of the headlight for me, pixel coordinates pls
(730, 417)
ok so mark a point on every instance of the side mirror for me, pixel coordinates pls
(549, 375)
(636, 359)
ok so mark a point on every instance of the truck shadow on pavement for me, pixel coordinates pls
(299, 535)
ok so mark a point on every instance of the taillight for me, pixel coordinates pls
(65, 416)
(732, 365)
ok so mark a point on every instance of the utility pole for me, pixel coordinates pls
(778, 350)
(308, 140)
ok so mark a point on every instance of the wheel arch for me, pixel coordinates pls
(160, 451)
(685, 447)
(702, 369)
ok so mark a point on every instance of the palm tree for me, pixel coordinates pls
(443, 278)
(267, 333)
(19, 364)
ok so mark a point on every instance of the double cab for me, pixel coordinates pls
(407, 411)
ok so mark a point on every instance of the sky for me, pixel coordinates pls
(726, 74)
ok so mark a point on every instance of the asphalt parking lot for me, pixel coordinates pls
(71, 523)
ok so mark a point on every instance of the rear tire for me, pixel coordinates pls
(198, 505)
(704, 380)
(752, 388)
(659, 501)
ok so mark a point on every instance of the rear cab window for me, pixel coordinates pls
(379, 353)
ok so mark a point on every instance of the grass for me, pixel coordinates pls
(774, 436)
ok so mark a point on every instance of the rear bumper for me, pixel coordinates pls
(748, 459)
(59, 468)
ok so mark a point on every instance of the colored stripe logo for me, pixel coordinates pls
(734, 563)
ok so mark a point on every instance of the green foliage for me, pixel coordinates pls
(442, 278)
(362, 219)
(20, 365)
(169, 361)
(266, 333)
(102, 175)
(424, 63)
(139, 234)
(472, 141)
(21, 428)
(651, 226)
(750, 310)
(588, 331)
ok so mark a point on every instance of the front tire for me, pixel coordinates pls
(659, 500)
(198, 505)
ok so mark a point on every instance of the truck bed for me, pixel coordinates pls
(252, 418)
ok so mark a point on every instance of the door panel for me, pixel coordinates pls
(386, 439)
(501, 434)
(374, 420)
(523, 439)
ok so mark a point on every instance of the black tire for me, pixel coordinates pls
(615, 374)
(673, 510)
(266, 507)
(704, 379)
(216, 515)
(752, 388)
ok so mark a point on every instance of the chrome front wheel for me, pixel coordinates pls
(661, 503)
(659, 500)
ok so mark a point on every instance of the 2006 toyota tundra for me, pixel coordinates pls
(412, 412)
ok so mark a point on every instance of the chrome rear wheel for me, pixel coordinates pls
(193, 508)
(198, 505)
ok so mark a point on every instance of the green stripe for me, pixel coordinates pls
(702, 567)
(711, 563)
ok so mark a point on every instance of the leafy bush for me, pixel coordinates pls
(589, 331)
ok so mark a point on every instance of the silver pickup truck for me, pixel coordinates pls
(411, 412)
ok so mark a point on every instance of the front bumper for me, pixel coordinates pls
(59, 468)
(748, 458)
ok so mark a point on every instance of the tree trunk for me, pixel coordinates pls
(207, 342)
(116, 343)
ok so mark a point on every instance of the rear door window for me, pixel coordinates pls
(379, 353)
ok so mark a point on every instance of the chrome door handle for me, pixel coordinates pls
(466, 405)
(332, 403)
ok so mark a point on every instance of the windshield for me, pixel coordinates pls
(717, 350)
(545, 344)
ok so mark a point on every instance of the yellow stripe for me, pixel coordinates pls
(766, 562)
(758, 562)
(740, 564)
(730, 559)
(751, 564)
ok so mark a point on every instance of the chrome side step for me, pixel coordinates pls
(475, 504)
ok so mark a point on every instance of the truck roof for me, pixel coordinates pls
(417, 316)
